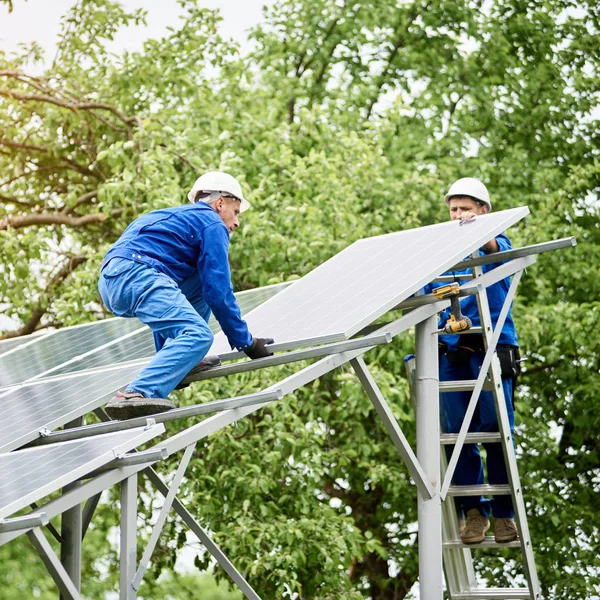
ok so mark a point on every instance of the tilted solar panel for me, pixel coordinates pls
(98, 344)
(364, 281)
(28, 475)
(50, 403)
(60, 346)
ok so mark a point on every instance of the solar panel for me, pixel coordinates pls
(50, 403)
(98, 344)
(370, 277)
(28, 475)
(57, 347)
(10, 344)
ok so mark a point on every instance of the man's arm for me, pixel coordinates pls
(213, 268)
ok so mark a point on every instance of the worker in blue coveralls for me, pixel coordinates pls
(170, 269)
(460, 358)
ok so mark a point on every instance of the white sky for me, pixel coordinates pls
(39, 20)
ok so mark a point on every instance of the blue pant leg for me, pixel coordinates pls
(191, 288)
(469, 469)
(502, 506)
(157, 301)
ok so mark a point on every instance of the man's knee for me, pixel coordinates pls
(201, 334)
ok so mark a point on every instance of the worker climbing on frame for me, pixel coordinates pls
(170, 269)
(460, 358)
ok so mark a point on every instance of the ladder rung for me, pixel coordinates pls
(488, 543)
(465, 385)
(479, 490)
(494, 594)
(472, 438)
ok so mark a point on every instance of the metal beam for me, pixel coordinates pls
(53, 565)
(204, 538)
(71, 531)
(290, 357)
(391, 425)
(162, 517)
(497, 257)
(128, 537)
(184, 412)
(428, 453)
(25, 522)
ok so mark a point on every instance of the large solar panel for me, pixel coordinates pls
(98, 344)
(56, 348)
(364, 281)
(28, 475)
(50, 403)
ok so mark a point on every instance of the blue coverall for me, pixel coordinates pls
(469, 470)
(170, 269)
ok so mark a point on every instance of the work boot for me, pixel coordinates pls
(208, 362)
(475, 527)
(129, 405)
(505, 530)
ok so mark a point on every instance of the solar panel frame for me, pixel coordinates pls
(31, 474)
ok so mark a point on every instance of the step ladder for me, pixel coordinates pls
(459, 572)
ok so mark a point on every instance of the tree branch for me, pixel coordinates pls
(69, 105)
(17, 222)
(40, 310)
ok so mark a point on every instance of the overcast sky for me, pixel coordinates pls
(38, 20)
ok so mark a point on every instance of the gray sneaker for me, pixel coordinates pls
(505, 530)
(129, 405)
(208, 362)
(475, 527)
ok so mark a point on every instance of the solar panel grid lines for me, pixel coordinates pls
(28, 475)
(48, 404)
(43, 354)
(110, 341)
(10, 344)
(368, 278)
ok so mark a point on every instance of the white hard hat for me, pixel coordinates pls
(469, 186)
(217, 181)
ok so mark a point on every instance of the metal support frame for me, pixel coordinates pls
(392, 427)
(54, 566)
(428, 453)
(425, 467)
(71, 532)
(128, 537)
(204, 538)
(162, 517)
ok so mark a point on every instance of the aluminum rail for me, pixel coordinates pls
(221, 405)
(488, 259)
(171, 415)
(25, 522)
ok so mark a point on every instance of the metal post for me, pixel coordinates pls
(428, 453)
(71, 531)
(128, 537)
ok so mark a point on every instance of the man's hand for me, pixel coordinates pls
(259, 349)
(467, 215)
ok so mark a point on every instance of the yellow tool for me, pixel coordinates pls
(457, 321)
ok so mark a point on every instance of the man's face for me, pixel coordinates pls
(463, 208)
(228, 210)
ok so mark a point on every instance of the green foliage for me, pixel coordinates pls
(347, 120)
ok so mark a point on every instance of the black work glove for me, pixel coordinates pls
(259, 349)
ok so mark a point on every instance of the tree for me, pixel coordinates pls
(348, 120)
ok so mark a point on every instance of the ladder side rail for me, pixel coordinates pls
(506, 436)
